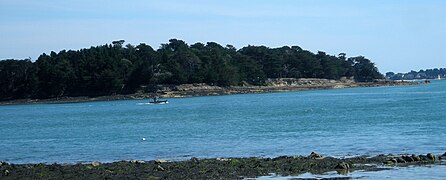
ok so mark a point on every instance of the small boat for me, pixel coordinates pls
(156, 101)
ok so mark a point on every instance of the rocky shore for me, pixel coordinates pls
(215, 168)
(201, 89)
(273, 85)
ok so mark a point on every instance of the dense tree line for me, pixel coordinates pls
(422, 74)
(118, 69)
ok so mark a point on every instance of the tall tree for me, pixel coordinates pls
(18, 79)
(365, 70)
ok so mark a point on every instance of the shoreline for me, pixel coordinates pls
(201, 89)
(216, 168)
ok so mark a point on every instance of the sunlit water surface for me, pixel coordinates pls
(340, 122)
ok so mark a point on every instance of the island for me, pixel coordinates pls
(116, 71)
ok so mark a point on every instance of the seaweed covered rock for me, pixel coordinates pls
(218, 168)
(159, 161)
(400, 160)
(195, 160)
(343, 165)
(137, 161)
(281, 158)
(443, 156)
(408, 158)
(159, 168)
(3, 163)
(6, 172)
(95, 163)
(314, 155)
(432, 157)
(416, 158)
(393, 160)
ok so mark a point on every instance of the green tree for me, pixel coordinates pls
(18, 79)
(365, 70)
(54, 73)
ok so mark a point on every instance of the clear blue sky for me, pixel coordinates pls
(398, 35)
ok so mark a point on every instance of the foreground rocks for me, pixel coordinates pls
(218, 168)
(411, 159)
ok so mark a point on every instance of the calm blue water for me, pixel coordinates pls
(341, 122)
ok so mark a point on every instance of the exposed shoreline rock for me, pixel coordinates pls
(201, 89)
(212, 168)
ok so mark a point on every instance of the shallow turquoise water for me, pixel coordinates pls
(431, 172)
(340, 122)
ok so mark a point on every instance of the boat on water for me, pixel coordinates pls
(156, 101)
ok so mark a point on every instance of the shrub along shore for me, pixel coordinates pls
(202, 89)
(215, 168)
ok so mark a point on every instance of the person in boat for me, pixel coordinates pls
(157, 101)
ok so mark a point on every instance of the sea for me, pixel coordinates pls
(337, 122)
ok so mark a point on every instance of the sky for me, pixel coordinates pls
(398, 35)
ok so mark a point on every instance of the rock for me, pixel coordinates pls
(194, 160)
(416, 158)
(3, 163)
(400, 160)
(137, 161)
(432, 157)
(314, 155)
(394, 160)
(423, 158)
(298, 157)
(95, 163)
(281, 158)
(159, 168)
(408, 158)
(222, 159)
(159, 161)
(343, 165)
(39, 165)
(153, 177)
(388, 162)
(6, 172)
(443, 156)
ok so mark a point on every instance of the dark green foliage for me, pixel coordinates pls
(123, 69)
(364, 69)
(54, 74)
(422, 74)
(18, 79)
